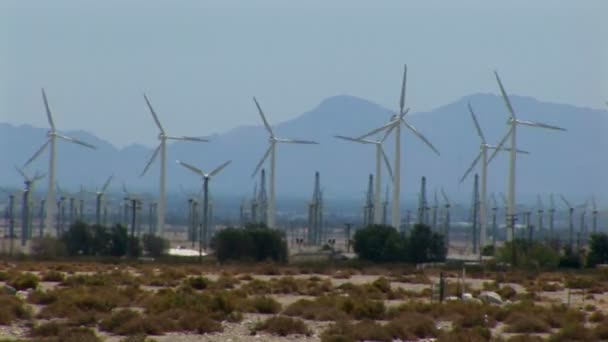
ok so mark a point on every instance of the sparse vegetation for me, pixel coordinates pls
(283, 326)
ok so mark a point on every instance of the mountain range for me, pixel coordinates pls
(574, 162)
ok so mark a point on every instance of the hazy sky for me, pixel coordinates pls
(202, 61)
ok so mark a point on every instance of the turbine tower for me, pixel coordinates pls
(395, 125)
(368, 208)
(594, 217)
(570, 221)
(27, 205)
(540, 213)
(99, 199)
(422, 205)
(271, 151)
(385, 208)
(380, 155)
(494, 224)
(483, 156)
(51, 143)
(551, 215)
(162, 148)
(512, 132)
(204, 236)
(446, 221)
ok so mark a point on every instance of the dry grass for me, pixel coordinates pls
(12, 309)
(283, 326)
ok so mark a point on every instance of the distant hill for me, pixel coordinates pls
(573, 162)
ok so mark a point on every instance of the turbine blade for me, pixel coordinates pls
(184, 138)
(360, 141)
(22, 173)
(296, 141)
(191, 168)
(219, 168)
(150, 161)
(106, 184)
(268, 128)
(160, 127)
(565, 201)
(403, 84)
(75, 141)
(500, 144)
(49, 116)
(422, 137)
(477, 127)
(257, 168)
(387, 133)
(445, 197)
(40, 150)
(386, 162)
(379, 129)
(475, 161)
(504, 96)
(539, 124)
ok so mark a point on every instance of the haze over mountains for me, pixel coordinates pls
(573, 162)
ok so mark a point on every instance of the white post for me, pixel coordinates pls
(396, 213)
(271, 204)
(162, 199)
(377, 199)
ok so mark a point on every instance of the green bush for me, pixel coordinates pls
(254, 244)
(24, 281)
(528, 254)
(47, 248)
(12, 309)
(53, 276)
(283, 326)
(264, 305)
(598, 253)
(379, 243)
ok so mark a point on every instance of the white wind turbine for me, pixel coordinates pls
(51, 140)
(162, 148)
(380, 155)
(512, 132)
(395, 125)
(271, 151)
(483, 156)
(204, 235)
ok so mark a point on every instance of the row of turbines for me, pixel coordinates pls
(377, 210)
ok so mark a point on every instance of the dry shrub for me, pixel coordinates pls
(323, 308)
(597, 317)
(24, 281)
(507, 292)
(370, 331)
(53, 276)
(283, 326)
(72, 302)
(62, 332)
(263, 305)
(129, 322)
(458, 334)
(412, 326)
(197, 283)
(12, 309)
(573, 331)
(521, 322)
(525, 338)
(601, 331)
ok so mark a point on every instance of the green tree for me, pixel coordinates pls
(529, 254)
(255, 243)
(119, 241)
(78, 239)
(598, 253)
(379, 243)
(155, 245)
(425, 245)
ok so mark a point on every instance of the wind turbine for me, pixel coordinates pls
(380, 155)
(99, 199)
(26, 209)
(271, 151)
(51, 143)
(483, 156)
(570, 221)
(162, 148)
(551, 215)
(512, 132)
(206, 176)
(494, 225)
(540, 212)
(395, 125)
(594, 217)
(446, 222)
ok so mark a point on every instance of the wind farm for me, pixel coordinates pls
(343, 172)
